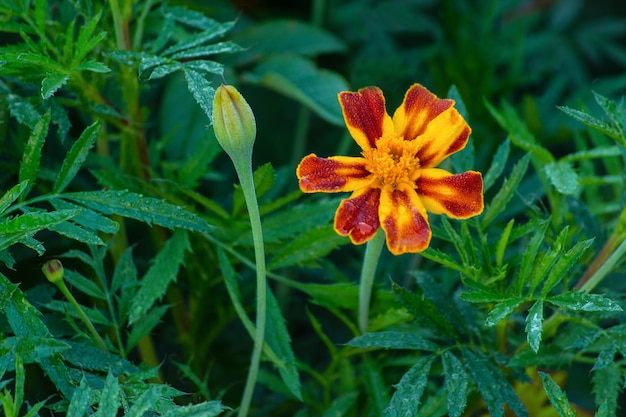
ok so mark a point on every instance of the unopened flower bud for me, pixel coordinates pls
(233, 122)
(53, 270)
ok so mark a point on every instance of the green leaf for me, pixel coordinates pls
(87, 356)
(492, 385)
(207, 50)
(205, 409)
(375, 385)
(498, 163)
(75, 232)
(534, 321)
(456, 384)
(110, 397)
(406, 400)
(135, 206)
(616, 113)
(201, 90)
(607, 387)
(93, 66)
(423, 310)
(506, 193)
(146, 401)
(77, 156)
(162, 272)
(144, 326)
(341, 405)
(23, 111)
(299, 79)
(52, 82)
(565, 263)
(80, 400)
(277, 337)
(13, 194)
(212, 29)
(86, 217)
(125, 272)
(592, 122)
(83, 284)
(310, 246)
(502, 310)
(95, 316)
(580, 301)
(393, 340)
(340, 295)
(563, 177)
(32, 153)
(299, 218)
(557, 397)
(21, 227)
(285, 36)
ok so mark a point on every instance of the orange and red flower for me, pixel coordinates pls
(395, 181)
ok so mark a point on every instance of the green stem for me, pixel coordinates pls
(603, 270)
(370, 262)
(63, 288)
(117, 24)
(243, 166)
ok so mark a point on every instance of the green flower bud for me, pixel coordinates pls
(233, 122)
(53, 270)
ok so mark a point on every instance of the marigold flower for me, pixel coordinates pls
(395, 182)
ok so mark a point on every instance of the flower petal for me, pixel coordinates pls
(357, 216)
(404, 220)
(459, 196)
(334, 174)
(434, 122)
(366, 116)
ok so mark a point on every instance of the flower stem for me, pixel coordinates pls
(243, 167)
(370, 262)
(66, 292)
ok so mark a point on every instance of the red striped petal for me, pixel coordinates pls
(404, 220)
(334, 174)
(357, 216)
(434, 122)
(459, 196)
(366, 116)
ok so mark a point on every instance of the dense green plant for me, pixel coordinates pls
(127, 278)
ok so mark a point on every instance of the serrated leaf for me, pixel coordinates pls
(498, 163)
(144, 326)
(205, 409)
(580, 301)
(77, 233)
(492, 385)
(80, 400)
(607, 387)
(443, 258)
(406, 400)
(299, 79)
(392, 340)
(201, 90)
(146, 401)
(135, 206)
(110, 397)
(207, 50)
(563, 177)
(162, 272)
(557, 397)
(21, 227)
(565, 263)
(93, 66)
(87, 356)
(23, 111)
(87, 218)
(307, 247)
(605, 357)
(52, 82)
(83, 284)
(508, 190)
(77, 156)
(534, 327)
(591, 121)
(277, 337)
(32, 153)
(11, 195)
(211, 30)
(456, 384)
(502, 310)
(483, 295)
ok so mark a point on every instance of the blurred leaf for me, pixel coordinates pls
(32, 153)
(52, 82)
(162, 272)
(136, 206)
(502, 310)
(125, 273)
(492, 385)
(423, 310)
(607, 387)
(277, 337)
(146, 401)
(95, 316)
(285, 36)
(530, 257)
(498, 163)
(534, 321)
(506, 193)
(406, 400)
(338, 295)
(392, 340)
(456, 383)
(557, 397)
(77, 156)
(310, 246)
(80, 400)
(605, 358)
(144, 326)
(563, 177)
(23, 111)
(110, 397)
(375, 385)
(301, 80)
(297, 219)
(580, 301)
(84, 285)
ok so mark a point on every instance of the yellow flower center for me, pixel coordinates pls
(393, 161)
